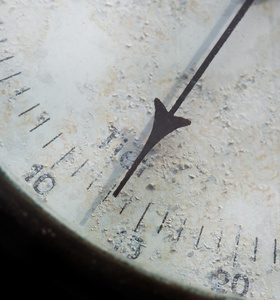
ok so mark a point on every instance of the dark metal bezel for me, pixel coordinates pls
(33, 236)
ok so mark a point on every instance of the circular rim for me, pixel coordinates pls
(70, 263)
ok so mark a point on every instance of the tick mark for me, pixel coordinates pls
(97, 177)
(256, 249)
(108, 194)
(80, 167)
(220, 238)
(142, 217)
(39, 125)
(62, 158)
(125, 205)
(275, 251)
(200, 233)
(94, 205)
(109, 138)
(28, 110)
(3, 41)
(181, 229)
(9, 77)
(90, 185)
(56, 137)
(20, 92)
(163, 221)
(6, 58)
(237, 239)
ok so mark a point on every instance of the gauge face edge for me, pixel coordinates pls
(67, 250)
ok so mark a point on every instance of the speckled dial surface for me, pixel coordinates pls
(77, 84)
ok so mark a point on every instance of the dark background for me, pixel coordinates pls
(41, 259)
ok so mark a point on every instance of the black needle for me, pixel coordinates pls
(165, 122)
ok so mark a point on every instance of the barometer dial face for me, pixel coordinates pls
(77, 84)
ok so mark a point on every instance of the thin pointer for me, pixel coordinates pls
(165, 122)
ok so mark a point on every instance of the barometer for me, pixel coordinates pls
(141, 139)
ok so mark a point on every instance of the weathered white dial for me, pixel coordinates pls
(77, 84)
